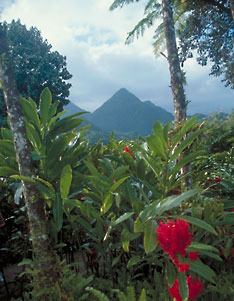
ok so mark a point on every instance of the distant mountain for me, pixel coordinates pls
(125, 113)
(71, 108)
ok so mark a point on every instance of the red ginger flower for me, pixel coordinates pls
(174, 237)
(194, 285)
(174, 291)
(127, 150)
(181, 267)
(193, 256)
(217, 179)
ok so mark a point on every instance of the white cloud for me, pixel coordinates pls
(92, 38)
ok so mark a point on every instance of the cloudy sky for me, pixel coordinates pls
(93, 40)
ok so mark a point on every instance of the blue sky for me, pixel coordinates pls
(93, 40)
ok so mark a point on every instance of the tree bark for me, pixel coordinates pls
(232, 8)
(46, 270)
(174, 65)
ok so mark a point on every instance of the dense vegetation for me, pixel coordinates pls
(35, 66)
(145, 219)
(107, 206)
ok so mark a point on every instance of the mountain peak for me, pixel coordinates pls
(123, 93)
(124, 112)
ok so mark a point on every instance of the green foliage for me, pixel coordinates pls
(212, 37)
(35, 66)
(104, 203)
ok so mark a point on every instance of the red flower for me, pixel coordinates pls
(174, 291)
(232, 209)
(174, 237)
(175, 192)
(193, 256)
(181, 267)
(194, 285)
(217, 179)
(127, 150)
(219, 198)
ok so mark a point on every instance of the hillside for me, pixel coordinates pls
(125, 113)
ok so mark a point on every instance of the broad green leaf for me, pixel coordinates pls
(7, 171)
(83, 223)
(150, 238)
(186, 127)
(46, 183)
(179, 149)
(197, 222)
(156, 145)
(58, 212)
(203, 270)
(117, 184)
(150, 163)
(56, 150)
(165, 133)
(126, 237)
(33, 136)
(138, 225)
(45, 102)
(30, 113)
(119, 172)
(143, 295)
(25, 261)
(159, 131)
(207, 211)
(92, 169)
(210, 254)
(141, 167)
(22, 178)
(122, 218)
(183, 286)
(170, 273)
(7, 148)
(185, 160)
(6, 134)
(158, 207)
(53, 109)
(228, 247)
(107, 232)
(172, 202)
(65, 181)
(125, 240)
(115, 261)
(66, 124)
(199, 246)
(133, 261)
(108, 201)
(54, 120)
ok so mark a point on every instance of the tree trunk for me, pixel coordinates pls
(46, 270)
(174, 65)
(232, 8)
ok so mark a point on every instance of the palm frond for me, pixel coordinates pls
(139, 29)
(121, 3)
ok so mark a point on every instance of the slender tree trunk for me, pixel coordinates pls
(174, 65)
(47, 271)
(232, 8)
